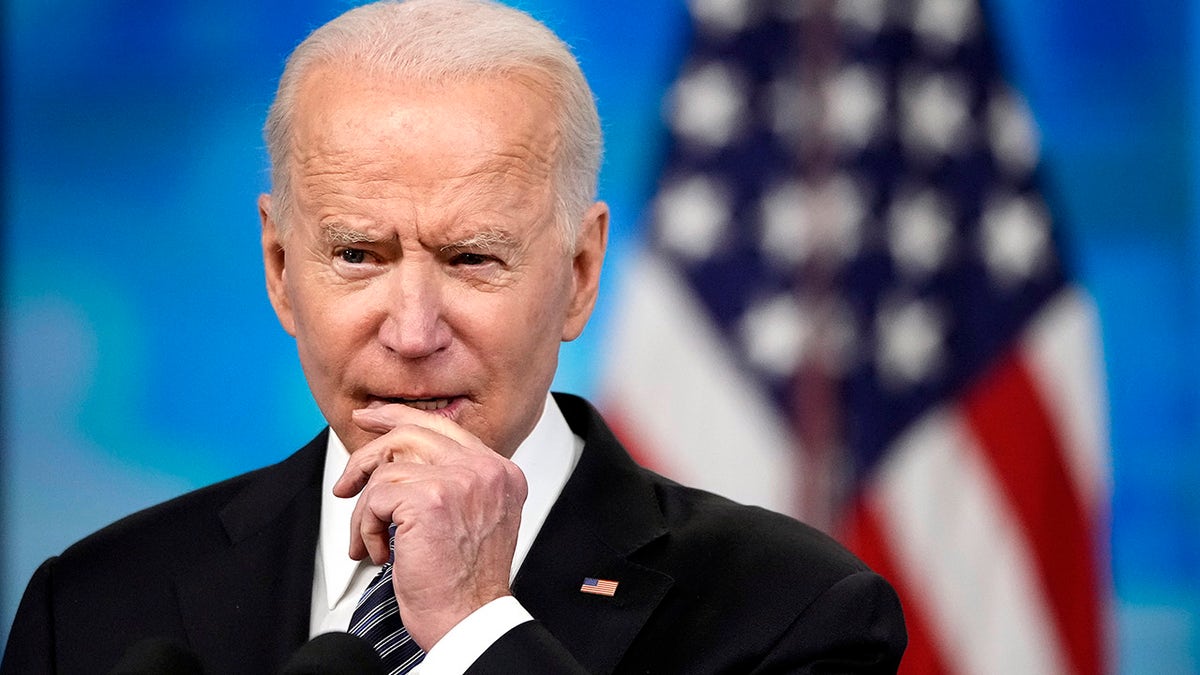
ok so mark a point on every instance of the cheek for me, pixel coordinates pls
(550, 298)
(512, 336)
(536, 337)
(328, 327)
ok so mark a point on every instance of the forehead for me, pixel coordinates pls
(486, 126)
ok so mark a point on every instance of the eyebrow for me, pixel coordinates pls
(486, 240)
(337, 233)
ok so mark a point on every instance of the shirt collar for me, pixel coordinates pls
(546, 457)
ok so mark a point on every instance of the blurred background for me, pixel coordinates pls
(141, 358)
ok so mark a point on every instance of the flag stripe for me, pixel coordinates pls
(1021, 444)
(865, 536)
(658, 380)
(617, 419)
(959, 550)
(1071, 385)
(852, 294)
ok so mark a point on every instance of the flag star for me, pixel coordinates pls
(775, 333)
(1015, 238)
(857, 103)
(786, 232)
(944, 24)
(920, 231)
(910, 342)
(721, 16)
(935, 113)
(708, 105)
(693, 216)
(1011, 133)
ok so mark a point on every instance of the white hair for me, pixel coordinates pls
(449, 41)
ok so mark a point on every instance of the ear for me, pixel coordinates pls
(590, 246)
(274, 263)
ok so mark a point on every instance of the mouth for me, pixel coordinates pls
(426, 404)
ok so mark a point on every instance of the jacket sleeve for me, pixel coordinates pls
(855, 626)
(30, 649)
(527, 648)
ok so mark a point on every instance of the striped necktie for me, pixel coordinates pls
(377, 620)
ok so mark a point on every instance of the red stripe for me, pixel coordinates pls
(616, 420)
(1022, 445)
(865, 537)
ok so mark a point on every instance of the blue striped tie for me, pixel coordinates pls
(377, 620)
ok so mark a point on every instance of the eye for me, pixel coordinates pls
(354, 256)
(471, 259)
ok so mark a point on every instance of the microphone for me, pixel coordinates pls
(158, 656)
(334, 654)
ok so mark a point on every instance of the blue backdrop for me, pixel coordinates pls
(141, 357)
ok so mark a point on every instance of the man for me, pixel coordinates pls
(430, 240)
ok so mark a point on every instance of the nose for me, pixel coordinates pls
(414, 326)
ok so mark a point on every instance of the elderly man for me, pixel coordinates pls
(430, 240)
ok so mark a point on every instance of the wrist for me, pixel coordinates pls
(429, 627)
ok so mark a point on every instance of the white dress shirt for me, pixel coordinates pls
(546, 457)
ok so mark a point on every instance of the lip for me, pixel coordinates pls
(446, 406)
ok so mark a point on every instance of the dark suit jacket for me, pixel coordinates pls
(705, 585)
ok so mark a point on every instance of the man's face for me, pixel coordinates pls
(423, 264)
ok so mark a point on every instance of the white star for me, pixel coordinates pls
(693, 216)
(721, 16)
(935, 116)
(776, 333)
(911, 336)
(944, 24)
(708, 105)
(857, 103)
(920, 231)
(1013, 137)
(1015, 238)
(787, 232)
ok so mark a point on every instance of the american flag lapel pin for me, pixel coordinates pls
(599, 587)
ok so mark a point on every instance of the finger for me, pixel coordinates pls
(385, 500)
(369, 525)
(387, 417)
(406, 443)
(375, 538)
(356, 474)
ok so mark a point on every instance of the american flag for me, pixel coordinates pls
(852, 307)
(599, 587)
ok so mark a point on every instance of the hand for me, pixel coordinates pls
(456, 505)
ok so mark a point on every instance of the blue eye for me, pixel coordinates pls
(354, 256)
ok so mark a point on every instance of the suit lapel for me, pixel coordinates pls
(606, 512)
(247, 601)
(240, 602)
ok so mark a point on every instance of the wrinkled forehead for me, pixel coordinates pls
(370, 137)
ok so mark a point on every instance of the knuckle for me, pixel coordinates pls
(438, 494)
(491, 472)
